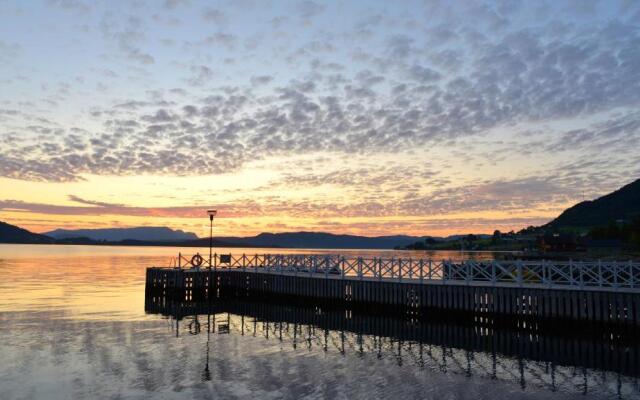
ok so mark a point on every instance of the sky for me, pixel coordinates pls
(360, 117)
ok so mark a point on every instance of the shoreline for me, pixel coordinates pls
(622, 256)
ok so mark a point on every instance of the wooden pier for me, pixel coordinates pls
(590, 291)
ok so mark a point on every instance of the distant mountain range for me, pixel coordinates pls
(320, 240)
(161, 236)
(623, 204)
(153, 234)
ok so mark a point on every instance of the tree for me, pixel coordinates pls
(496, 236)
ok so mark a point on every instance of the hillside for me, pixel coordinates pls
(623, 204)
(151, 234)
(13, 234)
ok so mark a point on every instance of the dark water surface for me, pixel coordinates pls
(73, 325)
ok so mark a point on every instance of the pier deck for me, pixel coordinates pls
(593, 291)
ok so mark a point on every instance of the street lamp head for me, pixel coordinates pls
(211, 213)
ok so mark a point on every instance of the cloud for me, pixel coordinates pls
(322, 213)
(224, 39)
(201, 75)
(93, 208)
(260, 80)
(9, 51)
(214, 15)
(127, 32)
(93, 203)
(71, 5)
(423, 74)
(404, 93)
(171, 4)
(400, 46)
(309, 9)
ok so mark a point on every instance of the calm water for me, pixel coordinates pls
(73, 325)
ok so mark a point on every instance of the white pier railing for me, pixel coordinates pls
(574, 274)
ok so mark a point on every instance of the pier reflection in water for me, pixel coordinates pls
(578, 359)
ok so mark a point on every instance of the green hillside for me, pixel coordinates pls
(13, 234)
(623, 204)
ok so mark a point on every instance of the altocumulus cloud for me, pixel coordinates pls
(401, 93)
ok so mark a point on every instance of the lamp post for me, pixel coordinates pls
(211, 213)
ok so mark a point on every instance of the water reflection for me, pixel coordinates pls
(597, 360)
(73, 326)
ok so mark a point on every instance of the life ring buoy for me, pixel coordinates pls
(196, 260)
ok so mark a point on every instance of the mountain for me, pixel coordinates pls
(13, 234)
(320, 240)
(204, 242)
(152, 234)
(623, 204)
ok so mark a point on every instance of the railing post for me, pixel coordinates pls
(360, 268)
(421, 270)
(326, 267)
(600, 273)
(179, 260)
(467, 268)
(580, 276)
(493, 272)
(571, 273)
(446, 270)
(342, 267)
(547, 268)
(430, 274)
(519, 273)
(631, 275)
(410, 268)
(399, 269)
(380, 268)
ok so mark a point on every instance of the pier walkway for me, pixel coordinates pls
(594, 291)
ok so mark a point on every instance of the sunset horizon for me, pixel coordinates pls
(395, 120)
(194, 219)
